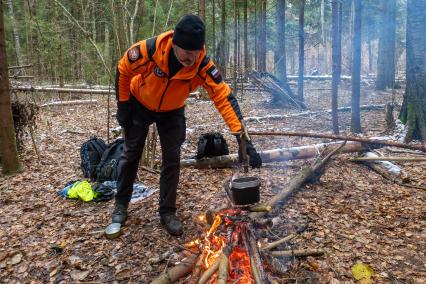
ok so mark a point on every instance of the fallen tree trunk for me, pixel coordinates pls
(68, 103)
(385, 168)
(306, 175)
(176, 272)
(391, 159)
(274, 155)
(379, 141)
(308, 113)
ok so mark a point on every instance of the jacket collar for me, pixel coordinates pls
(161, 58)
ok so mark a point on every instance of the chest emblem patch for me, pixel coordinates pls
(158, 72)
(134, 54)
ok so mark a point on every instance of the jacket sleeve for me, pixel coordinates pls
(133, 62)
(222, 95)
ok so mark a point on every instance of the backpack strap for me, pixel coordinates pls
(98, 146)
(151, 46)
(202, 143)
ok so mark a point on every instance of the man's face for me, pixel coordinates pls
(186, 57)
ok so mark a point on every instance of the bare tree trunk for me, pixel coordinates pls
(301, 50)
(202, 9)
(262, 36)
(246, 42)
(132, 22)
(8, 152)
(222, 47)
(413, 111)
(386, 58)
(280, 54)
(336, 54)
(356, 70)
(234, 76)
(214, 26)
(15, 32)
(256, 36)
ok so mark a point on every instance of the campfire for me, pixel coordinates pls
(229, 251)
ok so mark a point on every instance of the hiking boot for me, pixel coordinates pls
(119, 215)
(172, 224)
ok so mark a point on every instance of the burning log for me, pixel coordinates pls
(274, 155)
(210, 271)
(222, 277)
(298, 252)
(178, 271)
(306, 175)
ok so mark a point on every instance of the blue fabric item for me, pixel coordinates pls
(140, 191)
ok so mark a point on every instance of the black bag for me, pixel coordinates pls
(211, 145)
(90, 153)
(107, 169)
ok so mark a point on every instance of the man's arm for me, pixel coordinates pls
(227, 105)
(134, 61)
(221, 94)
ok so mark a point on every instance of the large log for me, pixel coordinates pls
(379, 141)
(274, 155)
(310, 113)
(176, 272)
(307, 174)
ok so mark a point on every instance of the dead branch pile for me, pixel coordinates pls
(281, 92)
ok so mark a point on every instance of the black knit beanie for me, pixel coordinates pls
(189, 33)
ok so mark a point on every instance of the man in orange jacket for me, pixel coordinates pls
(154, 78)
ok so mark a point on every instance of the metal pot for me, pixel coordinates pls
(245, 190)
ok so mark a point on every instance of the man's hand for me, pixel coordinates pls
(124, 117)
(254, 158)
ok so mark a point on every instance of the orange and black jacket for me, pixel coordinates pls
(143, 73)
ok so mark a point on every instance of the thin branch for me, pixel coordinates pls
(86, 33)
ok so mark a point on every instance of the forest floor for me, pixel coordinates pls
(353, 213)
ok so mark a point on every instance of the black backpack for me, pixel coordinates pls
(90, 153)
(211, 145)
(107, 169)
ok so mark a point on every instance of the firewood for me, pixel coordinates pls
(223, 274)
(273, 264)
(176, 272)
(260, 208)
(296, 182)
(277, 243)
(300, 252)
(197, 268)
(366, 140)
(210, 271)
(274, 155)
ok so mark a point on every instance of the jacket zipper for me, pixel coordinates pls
(162, 96)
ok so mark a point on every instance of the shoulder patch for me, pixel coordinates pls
(134, 54)
(215, 74)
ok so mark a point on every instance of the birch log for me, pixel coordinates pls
(274, 155)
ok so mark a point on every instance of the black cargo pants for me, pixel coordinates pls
(171, 128)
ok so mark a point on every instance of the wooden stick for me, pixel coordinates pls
(300, 252)
(260, 208)
(223, 274)
(67, 103)
(277, 243)
(210, 271)
(396, 159)
(295, 183)
(274, 155)
(367, 140)
(174, 273)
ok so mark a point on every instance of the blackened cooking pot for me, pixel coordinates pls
(245, 190)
